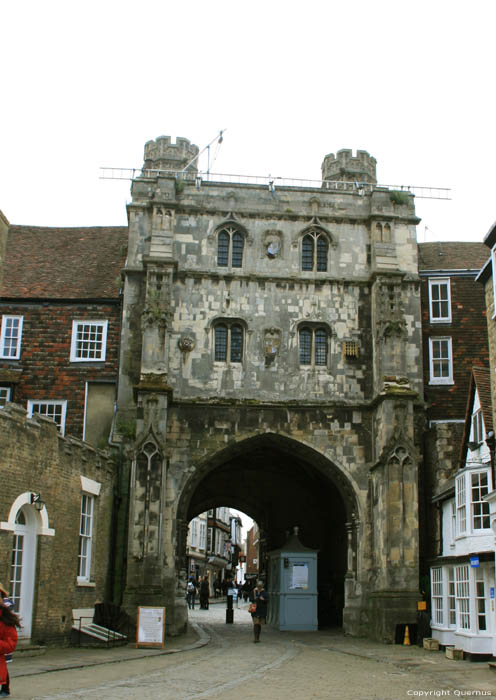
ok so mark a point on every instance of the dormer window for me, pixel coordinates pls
(314, 250)
(230, 245)
(477, 428)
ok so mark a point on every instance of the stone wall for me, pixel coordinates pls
(38, 460)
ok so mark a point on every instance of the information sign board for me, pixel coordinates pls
(150, 627)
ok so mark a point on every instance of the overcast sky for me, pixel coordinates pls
(86, 84)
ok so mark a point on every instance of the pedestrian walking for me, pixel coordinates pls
(204, 593)
(8, 642)
(191, 593)
(9, 603)
(258, 609)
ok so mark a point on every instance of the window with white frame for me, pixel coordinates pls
(56, 410)
(203, 534)
(440, 301)
(451, 597)
(85, 537)
(472, 510)
(477, 427)
(437, 596)
(453, 523)
(480, 508)
(89, 341)
(463, 596)
(480, 600)
(461, 506)
(10, 337)
(5, 394)
(441, 361)
(194, 532)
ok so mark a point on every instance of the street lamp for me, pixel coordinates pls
(35, 500)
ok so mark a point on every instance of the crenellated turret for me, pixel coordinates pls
(162, 154)
(345, 167)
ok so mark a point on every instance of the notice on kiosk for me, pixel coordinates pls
(299, 576)
(150, 628)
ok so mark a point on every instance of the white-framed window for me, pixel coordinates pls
(477, 427)
(5, 394)
(194, 532)
(461, 506)
(479, 482)
(437, 595)
(89, 341)
(85, 537)
(472, 511)
(453, 523)
(56, 410)
(440, 301)
(203, 534)
(463, 596)
(451, 597)
(441, 361)
(10, 337)
(480, 600)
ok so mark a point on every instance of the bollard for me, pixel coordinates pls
(229, 610)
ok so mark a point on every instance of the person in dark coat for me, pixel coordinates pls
(8, 642)
(204, 593)
(260, 598)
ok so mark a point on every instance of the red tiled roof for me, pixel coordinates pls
(64, 263)
(453, 255)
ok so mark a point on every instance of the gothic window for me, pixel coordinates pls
(230, 245)
(314, 249)
(313, 346)
(228, 342)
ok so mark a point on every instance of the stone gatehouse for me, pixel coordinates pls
(271, 361)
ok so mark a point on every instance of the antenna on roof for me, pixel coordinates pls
(219, 138)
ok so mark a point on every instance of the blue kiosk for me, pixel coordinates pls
(293, 586)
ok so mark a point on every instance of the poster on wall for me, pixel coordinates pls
(150, 627)
(299, 576)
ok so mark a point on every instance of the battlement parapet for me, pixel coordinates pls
(345, 167)
(163, 154)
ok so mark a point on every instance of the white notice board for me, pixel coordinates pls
(150, 628)
(299, 575)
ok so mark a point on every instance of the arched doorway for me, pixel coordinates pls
(25, 522)
(282, 483)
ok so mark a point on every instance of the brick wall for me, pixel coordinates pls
(47, 372)
(37, 459)
(468, 331)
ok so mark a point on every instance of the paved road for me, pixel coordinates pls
(283, 666)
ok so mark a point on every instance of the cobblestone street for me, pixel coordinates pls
(227, 665)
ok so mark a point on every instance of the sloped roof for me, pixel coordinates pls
(480, 380)
(64, 263)
(455, 255)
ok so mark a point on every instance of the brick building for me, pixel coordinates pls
(454, 340)
(60, 325)
(56, 526)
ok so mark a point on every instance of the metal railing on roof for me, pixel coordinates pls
(271, 182)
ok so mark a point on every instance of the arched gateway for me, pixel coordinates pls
(285, 387)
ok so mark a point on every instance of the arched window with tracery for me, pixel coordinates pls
(230, 246)
(313, 346)
(314, 251)
(228, 338)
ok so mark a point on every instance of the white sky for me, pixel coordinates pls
(86, 84)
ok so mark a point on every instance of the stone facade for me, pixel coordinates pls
(271, 361)
(38, 460)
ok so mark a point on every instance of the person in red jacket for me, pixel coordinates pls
(8, 642)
